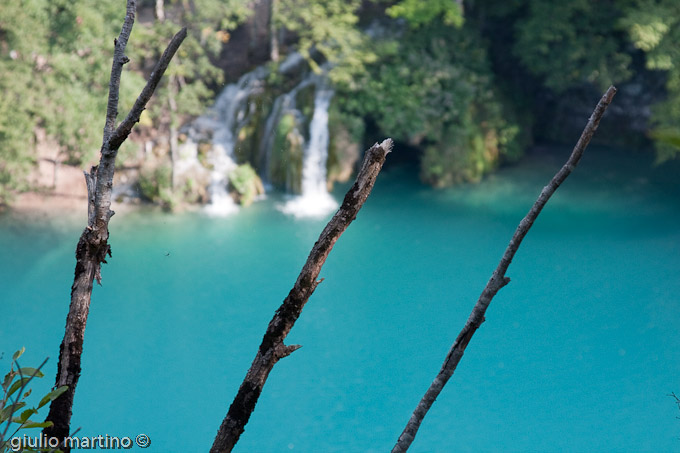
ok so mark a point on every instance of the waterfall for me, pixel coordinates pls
(283, 104)
(300, 164)
(229, 114)
(315, 200)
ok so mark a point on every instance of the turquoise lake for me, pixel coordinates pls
(578, 353)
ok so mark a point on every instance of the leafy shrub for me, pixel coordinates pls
(15, 391)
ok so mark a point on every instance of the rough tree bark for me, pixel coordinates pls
(272, 348)
(93, 246)
(498, 280)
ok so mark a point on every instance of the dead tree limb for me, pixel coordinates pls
(498, 280)
(93, 246)
(272, 348)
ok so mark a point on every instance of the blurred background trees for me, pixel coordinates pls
(464, 86)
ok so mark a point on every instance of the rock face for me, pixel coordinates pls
(249, 45)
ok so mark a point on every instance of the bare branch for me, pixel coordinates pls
(125, 127)
(498, 280)
(119, 59)
(272, 348)
(91, 182)
(93, 247)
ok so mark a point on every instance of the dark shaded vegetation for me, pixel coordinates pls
(468, 85)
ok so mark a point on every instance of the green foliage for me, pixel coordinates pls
(436, 90)
(424, 12)
(192, 72)
(55, 58)
(423, 76)
(16, 142)
(15, 391)
(155, 183)
(55, 61)
(569, 43)
(654, 27)
(285, 159)
(328, 27)
(246, 183)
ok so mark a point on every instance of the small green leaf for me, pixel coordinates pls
(18, 353)
(28, 393)
(9, 410)
(17, 385)
(27, 413)
(8, 379)
(53, 395)
(31, 424)
(31, 372)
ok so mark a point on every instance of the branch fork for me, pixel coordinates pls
(93, 246)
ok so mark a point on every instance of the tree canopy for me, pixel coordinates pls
(460, 81)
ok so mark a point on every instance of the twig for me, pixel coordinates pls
(272, 348)
(93, 246)
(119, 60)
(125, 127)
(498, 280)
(677, 399)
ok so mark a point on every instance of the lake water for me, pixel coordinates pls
(578, 353)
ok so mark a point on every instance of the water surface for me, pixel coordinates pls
(578, 353)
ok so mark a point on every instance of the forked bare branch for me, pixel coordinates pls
(93, 246)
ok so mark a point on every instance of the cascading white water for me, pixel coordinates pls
(229, 114)
(316, 153)
(283, 104)
(315, 200)
(233, 109)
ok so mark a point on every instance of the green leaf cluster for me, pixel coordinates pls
(55, 61)
(155, 183)
(55, 57)
(433, 87)
(247, 184)
(192, 73)
(419, 12)
(15, 391)
(329, 28)
(573, 42)
(654, 28)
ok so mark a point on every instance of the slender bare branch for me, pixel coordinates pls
(272, 348)
(119, 60)
(498, 280)
(93, 246)
(124, 128)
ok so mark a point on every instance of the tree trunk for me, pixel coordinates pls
(93, 246)
(272, 348)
